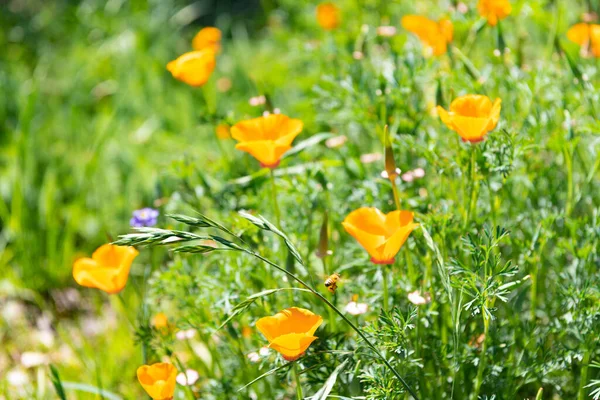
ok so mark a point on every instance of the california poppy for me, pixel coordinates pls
(290, 331)
(158, 380)
(160, 321)
(328, 16)
(266, 138)
(208, 37)
(587, 36)
(435, 35)
(494, 10)
(471, 116)
(222, 131)
(107, 270)
(382, 235)
(193, 68)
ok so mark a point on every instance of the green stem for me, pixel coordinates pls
(584, 373)
(299, 395)
(395, 191)
(334, 308)
(329, 310)
(473, 187)
(569, 164)
(274, 198)
(385, 289)
(482, 358)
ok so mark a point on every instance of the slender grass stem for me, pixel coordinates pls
(385, 289)
(274, 198)
(474, 190)
(568, 154)
(395, 192)
(482, 358)
(330, 312)
(350, 323)
(299, 395)
(585, 363)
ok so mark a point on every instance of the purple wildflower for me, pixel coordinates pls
(144, 217)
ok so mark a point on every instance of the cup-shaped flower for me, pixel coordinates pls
(471, 116)
(382, 235)
(328, 16)
(494, 10)
(158, 380)
(266, 138)
(209, 37)
(290, 331)
(193, 68)
(107, 270)
(435, 35)
(587, 36)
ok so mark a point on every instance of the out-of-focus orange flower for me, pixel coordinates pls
(290, 331)
(107, 270)
(266, 138)
(471, 116)
(435, 35)
(158, 380)
(160, 321)
(328, 16)
(587, 36)
(382, 235)
(208, 37)
(193, 68)
(494, 10)
(223, 131)
(246, 332)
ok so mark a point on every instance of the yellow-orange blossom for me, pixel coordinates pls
(328, 16)
(193, 68)
(266, 138)
(494, 10)
(471, 116)
(107, 270)
(435, 35)
(587, 36)
(158, 380)
(382, 235)
(290, 331)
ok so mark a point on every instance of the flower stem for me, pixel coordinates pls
(274, 198)
(584, 373)
(569, 164)
(482, 358)
(385, 289)
(299, 395)
(473, 187)
(395, 191)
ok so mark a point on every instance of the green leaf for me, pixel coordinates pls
(310, 142)
(58, 386)
(323, 393)
(83, 387)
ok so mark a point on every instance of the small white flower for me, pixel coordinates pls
(254, 357)
(336, 141)
(355, 308)
(33, 359)
(264, 351)
(386, 31)
(418, 173)
(370, 158)
(257, 101)
(357, 55)
(416, 298)
(186, 334)
(17, 377)
(187, 378)
(408, 176)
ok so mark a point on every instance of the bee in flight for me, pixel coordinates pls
(331, 282)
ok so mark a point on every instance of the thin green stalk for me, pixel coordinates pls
(299, 395)
(395, 191)
(569, 164)
(354, 327)
(329, 310)
(585, 363)
(385, 289)
(482, 358)
(473, 187)
(274, 198)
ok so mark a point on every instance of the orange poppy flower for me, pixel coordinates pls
(107, 270)
(193, 68)
(290, 331)
(266, 138)
(494, 10)
(587, 36)
(160, 321)
(471, 116)
(382, 235)
(158, 380)
(435, 35)
(208, 37)
(328, 16)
